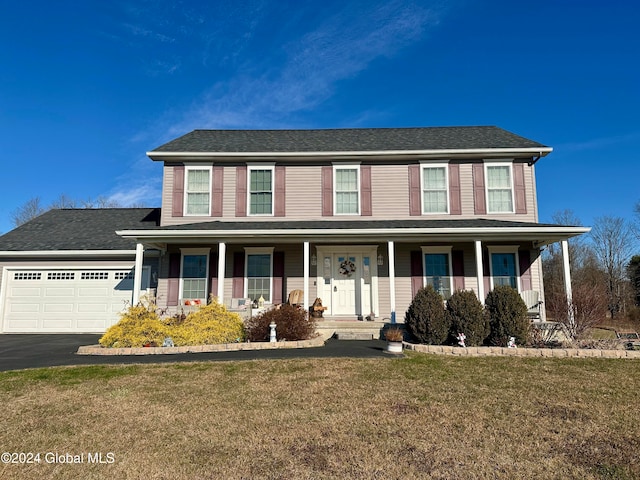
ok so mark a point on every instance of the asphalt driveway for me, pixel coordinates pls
(33, 351)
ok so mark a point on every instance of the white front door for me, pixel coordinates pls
(346, 283)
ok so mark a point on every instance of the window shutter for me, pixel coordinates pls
(519, 190)
(177, 202)
(241, 192)
(213, 274)
(525, 269)
(455, 203)
(479, 198)
(327, 191)
(457, 264)
(279, 191)
(237, 285)
(216, 194)
(414, 190)
(486, 273)
(278, 277)
(417, 278)
(173, 282)
(365, 191)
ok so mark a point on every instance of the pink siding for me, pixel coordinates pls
(177, 202)
(213, 274)
(365, 190)
(454, 189)
(480, 207)
(327, 191)
(241, 191)
(414, 190)
(278, 277)
(280, 191)
(519, 189)
(173, 284)
(216, 194)
(237, 290)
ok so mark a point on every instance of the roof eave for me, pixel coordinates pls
(541, 151)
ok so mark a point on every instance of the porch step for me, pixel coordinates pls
(351, 330)
(356, 336)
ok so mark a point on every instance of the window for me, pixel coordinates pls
(194, 275)
(504, 266)
(259, 269)
(437, 269)
(435, 198)
(347, 193)
(499, 188)
(261, 190)
(198, 191)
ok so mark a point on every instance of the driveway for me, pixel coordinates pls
(34, 351)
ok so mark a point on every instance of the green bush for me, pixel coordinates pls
(141, 326)
(507, 316)
(138, 326)
(468, 316)
(426, 319)
(292, 323)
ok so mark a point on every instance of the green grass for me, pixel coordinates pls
(422, 416)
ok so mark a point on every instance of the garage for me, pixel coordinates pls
(71, 300)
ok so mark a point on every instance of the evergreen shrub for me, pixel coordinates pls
(507, 316)
(426, 319)
(467, 316)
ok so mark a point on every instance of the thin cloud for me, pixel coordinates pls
(599, 143)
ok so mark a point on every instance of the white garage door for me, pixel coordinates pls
(71, 300)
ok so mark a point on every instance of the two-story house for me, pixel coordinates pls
(360, 218)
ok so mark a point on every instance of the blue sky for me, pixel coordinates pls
(86, 88)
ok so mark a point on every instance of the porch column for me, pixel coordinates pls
(480, 271)
(305, 295)
(137, 273)
(392, 280)
(222, 257)
(567, 278)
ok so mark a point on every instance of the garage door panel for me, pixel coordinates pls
(51, 300)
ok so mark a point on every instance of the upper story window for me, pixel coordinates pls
(197, 190)
(260, 190)
(435, 195)
(347, 190)
(499, 188)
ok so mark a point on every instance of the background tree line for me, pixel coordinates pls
(605, 273)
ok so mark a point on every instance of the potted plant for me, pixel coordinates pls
(394, 337)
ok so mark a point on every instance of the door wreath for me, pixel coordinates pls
(347, 268)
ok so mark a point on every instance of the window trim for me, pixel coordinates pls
(347, 166)
(187, 168)
(504, 249)
(194, 251)
(256, 167)
(258, 251)
(424, 166)
(495, 163)
(438, 250)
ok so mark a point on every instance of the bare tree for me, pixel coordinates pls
(612, 240)
(31, 209)
(63, 201)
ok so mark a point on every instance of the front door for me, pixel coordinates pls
(346, 283)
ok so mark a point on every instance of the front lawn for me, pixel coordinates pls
(416, 417)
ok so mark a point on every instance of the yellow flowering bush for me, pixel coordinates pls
(138, 326)
(141, 326)
(210, 324)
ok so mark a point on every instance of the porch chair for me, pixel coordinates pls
(296, 297)
(532, 301)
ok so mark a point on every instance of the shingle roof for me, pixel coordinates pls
(80, 229)
(347, 140)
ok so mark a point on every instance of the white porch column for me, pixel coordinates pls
(567, 278)
(222, 257)
(137, 273)
(392, 280)
(305, 295)
(480, 271)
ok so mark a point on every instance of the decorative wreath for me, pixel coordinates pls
(347, 268)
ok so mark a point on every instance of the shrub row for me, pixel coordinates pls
(503, 316)
(140, 326)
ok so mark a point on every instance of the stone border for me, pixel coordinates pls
(521, 352)
(224, 347)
